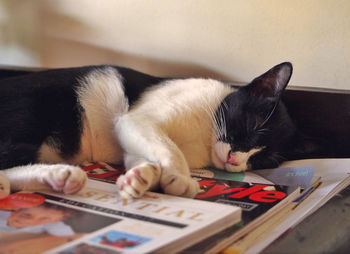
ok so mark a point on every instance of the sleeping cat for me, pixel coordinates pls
(56, 119)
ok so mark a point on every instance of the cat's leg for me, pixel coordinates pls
(58, 177)
(4, 186)
(151, 154)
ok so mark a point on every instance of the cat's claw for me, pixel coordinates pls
(179, 185)
(138, 180)
(65, 178)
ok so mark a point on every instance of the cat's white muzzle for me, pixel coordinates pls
(223, 158)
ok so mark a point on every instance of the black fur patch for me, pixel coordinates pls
(255, 118)
(43, 107)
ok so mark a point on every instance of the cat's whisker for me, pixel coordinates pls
(263, 131)
(216, 120)
(225, 105)
(223, 117)
(218, 125)
(222, 122)
(256, 125)
(209, 110)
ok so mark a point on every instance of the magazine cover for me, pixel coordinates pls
(97, 219)
(254, 199)
(29, 223)
(258, 202)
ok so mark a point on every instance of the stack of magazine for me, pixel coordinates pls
(236, 212)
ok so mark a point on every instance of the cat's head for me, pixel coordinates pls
(252, 124)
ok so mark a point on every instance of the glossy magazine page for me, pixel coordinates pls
(98, 218)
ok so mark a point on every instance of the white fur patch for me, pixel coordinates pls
(58, 177)
(4, 186)
(173, 129)
(185, 117)
(102, 98)
(220, 154)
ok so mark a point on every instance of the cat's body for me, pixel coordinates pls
(157, 127)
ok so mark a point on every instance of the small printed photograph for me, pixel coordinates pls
(85, 248)
(45, 226)
(120, 239)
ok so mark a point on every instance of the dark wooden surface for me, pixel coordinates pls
(323, 115)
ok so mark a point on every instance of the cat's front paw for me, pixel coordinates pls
(65, 178)
(179, 185)
(4, 186)
(138, 180)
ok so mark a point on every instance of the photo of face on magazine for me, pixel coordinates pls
(44, 226)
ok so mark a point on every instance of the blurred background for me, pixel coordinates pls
(229, 40)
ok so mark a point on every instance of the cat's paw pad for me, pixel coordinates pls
(4, 186)
(179, 185)
(138, 180)
(65, 178)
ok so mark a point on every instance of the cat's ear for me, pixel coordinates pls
(272, 83)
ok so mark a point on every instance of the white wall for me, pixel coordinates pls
(225, 39)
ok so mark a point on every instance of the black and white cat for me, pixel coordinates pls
(159, 128)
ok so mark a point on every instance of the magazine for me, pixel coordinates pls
(258, 201)
(289, 176)
(331, 176)
(98, 220)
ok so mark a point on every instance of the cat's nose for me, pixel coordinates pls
(232, 159)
